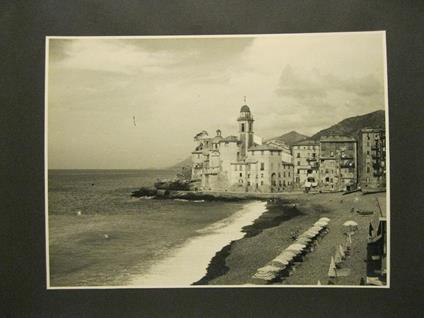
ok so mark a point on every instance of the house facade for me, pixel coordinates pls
(240, 163)
(372, 157)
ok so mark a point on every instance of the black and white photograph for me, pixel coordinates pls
(217, 161)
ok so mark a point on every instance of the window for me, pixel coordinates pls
(289, 173)
(279, 174)
(241, 174)
(248, 183)
(298, 163)
(262, 175)
(298, 155)
(262, 183)
(262, 166)
(248, 175)
(242, 127)
(368, 169)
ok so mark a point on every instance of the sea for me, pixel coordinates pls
(98, 235)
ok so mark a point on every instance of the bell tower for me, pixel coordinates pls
(245, 121)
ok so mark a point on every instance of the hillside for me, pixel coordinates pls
(185, 163)
(290, 138)
(352, 125)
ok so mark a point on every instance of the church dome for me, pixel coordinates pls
(245, 109)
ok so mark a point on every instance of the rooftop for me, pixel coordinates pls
(308, 142)
(229, 138)
(245, 109)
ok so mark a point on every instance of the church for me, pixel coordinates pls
(241, 163)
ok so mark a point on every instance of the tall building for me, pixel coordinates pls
(372, 157)
(337, 163)
(305, 160)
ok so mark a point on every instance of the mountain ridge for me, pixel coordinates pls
(350, 126)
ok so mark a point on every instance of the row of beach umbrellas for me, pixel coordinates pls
(341, 253)
(282, 262)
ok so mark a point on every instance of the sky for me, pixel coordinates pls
(136, 103)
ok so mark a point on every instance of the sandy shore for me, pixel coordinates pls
(188, 263)
(236, 264)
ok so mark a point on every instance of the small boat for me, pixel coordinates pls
(369, 212)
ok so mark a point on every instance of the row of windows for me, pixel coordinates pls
(241, 181)
(307, 156)
(306, 147)
(262, 175)
(262, 167)
(272, 153)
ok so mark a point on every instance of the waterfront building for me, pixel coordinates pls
(305, 161)
(337, 163)
(372, 158)
(242, 163)
(286, 154)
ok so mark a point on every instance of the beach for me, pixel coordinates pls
(255, 251)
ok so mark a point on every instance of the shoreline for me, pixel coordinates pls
(189, 262)
(153, 193)
(270, 218)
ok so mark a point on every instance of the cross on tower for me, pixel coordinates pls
(245, 99)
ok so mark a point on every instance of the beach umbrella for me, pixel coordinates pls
(351, 225)
(281, 264)
(303, 240)
(287, 255)
(321, 223)
(309, 235)
(324, 219)
(316, 228)
(332, 269)
(267, 272)
(296, 247)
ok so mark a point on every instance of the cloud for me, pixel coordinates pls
(176, 87)
(316, 84)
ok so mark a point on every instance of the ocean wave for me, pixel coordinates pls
(179, 269)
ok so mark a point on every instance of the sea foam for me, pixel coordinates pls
(189, 262)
